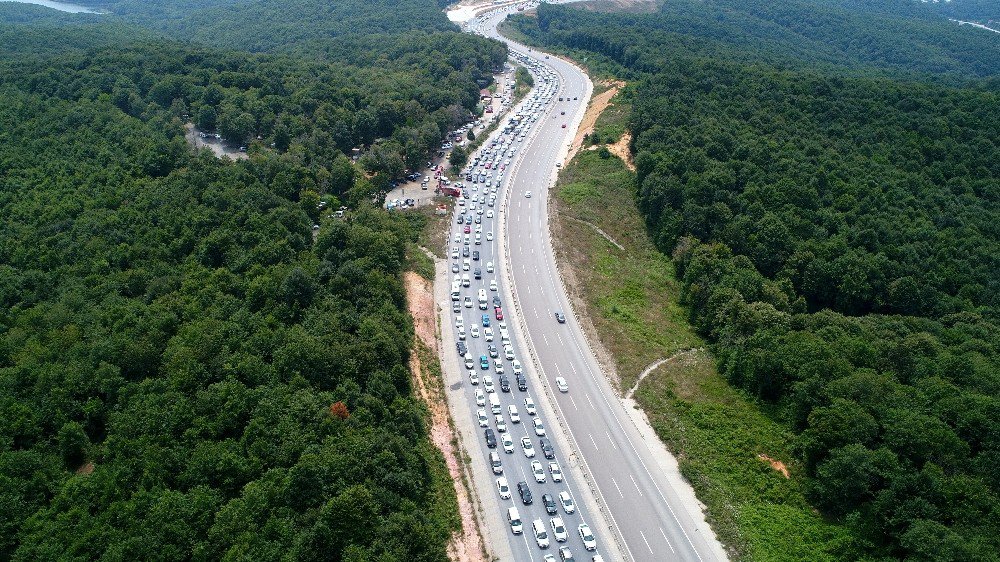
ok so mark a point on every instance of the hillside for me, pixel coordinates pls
(190, 369)
(830, 207)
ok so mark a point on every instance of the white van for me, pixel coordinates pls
(495, 403)
(465, 280)
(514, 518)
(482, 301)
(505, 337)
(455, 292)
(541, 535)
(488, 334)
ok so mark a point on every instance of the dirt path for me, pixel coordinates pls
(467, 544)
(598, 104)
(653, 366)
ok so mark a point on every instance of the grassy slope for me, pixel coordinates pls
(716, 431)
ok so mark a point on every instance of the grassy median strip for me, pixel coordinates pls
(727, 444)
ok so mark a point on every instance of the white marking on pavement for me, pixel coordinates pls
(574, 403)
(596, 448)
(612, 441)
(636, 485)
(641, 534)
(615, 483)
(668, 540)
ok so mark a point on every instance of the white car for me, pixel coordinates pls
(529, 406)
(515, 366)
(527, 194)
(488, 334)
(488, 383)
(508, 442)
(567, 502)
(501, 424)
(459, 321)
(489, 236)
(529, 449)
(480, 397)
(508, 351)
(555, 471)
(461, 333)
(559, 529)
(503, 488)
(474, 331)
(538, 472)
(498, 365)
(469, 364)
(483, 420)
(561, 384)
(493, 284)
(473, 377)
(489, 267)
(589, 542)
(489, 214)
(539, 428)
(515, 417)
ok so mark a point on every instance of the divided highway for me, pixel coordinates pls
(634, 501)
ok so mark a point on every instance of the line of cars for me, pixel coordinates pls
(486, 351)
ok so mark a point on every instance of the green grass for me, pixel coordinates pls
(715, 430)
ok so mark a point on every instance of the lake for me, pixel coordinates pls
(61, 6)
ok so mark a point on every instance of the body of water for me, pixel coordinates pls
(61, 6)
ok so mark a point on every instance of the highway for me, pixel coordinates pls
(649, 514)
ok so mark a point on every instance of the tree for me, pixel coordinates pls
(73, 443)
(458, 157)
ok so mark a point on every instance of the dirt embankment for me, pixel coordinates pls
(467, 544)
(621, 150)
(598, 104)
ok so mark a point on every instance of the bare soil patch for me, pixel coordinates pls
(468, 544)
(86, 469)
(598, 103)
(621, 150)
(775, 464)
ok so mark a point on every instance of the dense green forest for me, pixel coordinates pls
(836, 228)
(895, 35)
(189, 370)
(259, 25)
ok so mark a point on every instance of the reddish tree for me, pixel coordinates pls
(339, 410)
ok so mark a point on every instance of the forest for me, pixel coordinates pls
(189, 368)
(846, 35)
(834, 223)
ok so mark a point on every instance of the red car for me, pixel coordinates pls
(467, 229)
(499, 312)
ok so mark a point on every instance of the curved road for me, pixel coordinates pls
(652, 513)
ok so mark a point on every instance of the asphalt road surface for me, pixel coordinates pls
(648, 519)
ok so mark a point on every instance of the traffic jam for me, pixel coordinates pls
(517, 443)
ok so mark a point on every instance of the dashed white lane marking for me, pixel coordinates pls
(596, 448)
(668, 540)
(641, 534)
(610, 440)
(574, 405)
(615, 482)
(636, 485)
